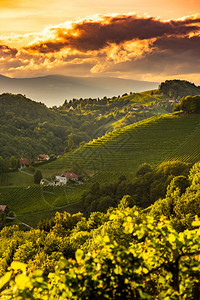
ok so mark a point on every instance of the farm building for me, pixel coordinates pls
(65, 177)
(43, 157)
(23, 162)
(4, 208)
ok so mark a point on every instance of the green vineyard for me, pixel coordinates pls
(158, 139)
(31, 202)
(123, 150)
(190, 150)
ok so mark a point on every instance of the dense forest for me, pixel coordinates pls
(179, 88)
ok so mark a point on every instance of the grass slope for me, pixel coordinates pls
(123, 150)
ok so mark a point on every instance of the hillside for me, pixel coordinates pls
(179, 88)
(104, 160)
(123, 253)
(123, 150)
(28, 128)
(54, 89)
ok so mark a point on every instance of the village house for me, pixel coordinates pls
(65, 177)
(23, 162)
(4, 209)
(170, 100)
(42, 157)
(60, 180)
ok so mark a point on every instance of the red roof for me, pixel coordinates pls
(43, 156)
(70, 175)
(4, 208)
(23, 161)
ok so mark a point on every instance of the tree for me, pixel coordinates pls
(127, 201)
(37, 177)
(2, 165)
(189, 104)
(181, 182)
(13, 162)
(143, 169)
(70, 142)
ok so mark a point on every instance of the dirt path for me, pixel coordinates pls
(20, 170)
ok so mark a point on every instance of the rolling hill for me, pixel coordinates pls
(54, 89)
(28, 128)
(123, 150)
(105, 159)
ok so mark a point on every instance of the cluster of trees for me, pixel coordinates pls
(28, 128)
(178, 88)
(182, 200)
(8, 163)
(189, 104)
(124, 253)
(145, 188)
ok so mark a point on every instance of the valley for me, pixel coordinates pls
(122, 135)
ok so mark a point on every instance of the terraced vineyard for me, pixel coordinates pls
(30, 204)
(123, 150)
(169, 137)
(190, 150)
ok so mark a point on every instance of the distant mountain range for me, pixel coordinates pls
(55, 89)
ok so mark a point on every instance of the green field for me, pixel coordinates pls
(19, 179)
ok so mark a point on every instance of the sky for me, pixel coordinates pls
(143, 40)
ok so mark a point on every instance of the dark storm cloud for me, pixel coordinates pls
(170, 56)
(96, 35)
(6, 51)
(125, 45)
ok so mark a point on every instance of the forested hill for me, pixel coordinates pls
(18, 107)
(179, 88)
(28, 128)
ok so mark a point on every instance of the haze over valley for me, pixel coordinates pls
(54, 89)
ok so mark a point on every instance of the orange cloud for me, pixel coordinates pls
(128, 45)
(95, 35)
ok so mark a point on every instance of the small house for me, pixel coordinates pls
(23, 162)
(60, 180)
(46, 182)
(170, 100)
(4, 209)
(42, 157)
(70, 175)
(65, 177)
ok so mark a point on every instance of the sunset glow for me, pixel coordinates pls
(100, 39)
